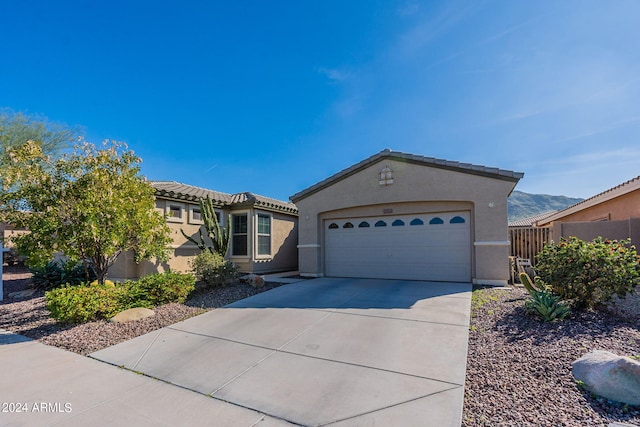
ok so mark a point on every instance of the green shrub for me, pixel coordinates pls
(157, 289)
(57, 273)
(212, 269)
(83, 303)
(79, 304)
(589, 273)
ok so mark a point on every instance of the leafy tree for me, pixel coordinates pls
(17, 128)
(90, 204)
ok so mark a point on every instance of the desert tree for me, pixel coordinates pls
(90, 204)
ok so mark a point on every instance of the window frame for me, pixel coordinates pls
(247, 235)
(193, 220)
(258, 235)
(168, 212)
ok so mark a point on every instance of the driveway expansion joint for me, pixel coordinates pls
(386, 407)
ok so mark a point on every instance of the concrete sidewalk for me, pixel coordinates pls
(347, 352)
(42, 385)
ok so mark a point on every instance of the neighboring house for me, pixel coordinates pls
(530, 221)
(263, 230)
(401, 216)
(612, 214)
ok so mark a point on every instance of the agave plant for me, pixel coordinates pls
(543, 301)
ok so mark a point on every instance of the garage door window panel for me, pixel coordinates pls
(436, 221)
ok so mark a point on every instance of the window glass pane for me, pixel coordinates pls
(397, 223)
(347, 225)
(381, 223)
(333, 226)
(457, 220)
(175, 211)
(264, 245)
(239, 243)
(264, 224)
(363, 224)
(436, 220)
(416, 221)
(239, 224)
(197, 215)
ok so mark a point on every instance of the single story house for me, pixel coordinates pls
(263, 231)
(612, 214)
(401, 216)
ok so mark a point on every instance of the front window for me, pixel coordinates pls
(264, 234)
(239, 235)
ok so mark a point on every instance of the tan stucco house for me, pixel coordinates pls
(612, 214)
(263, 230)
(402, 216)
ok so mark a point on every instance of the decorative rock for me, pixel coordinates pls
(253, 279)
(132, 314)
(610, 376)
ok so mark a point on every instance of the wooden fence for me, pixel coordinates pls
(526, 242)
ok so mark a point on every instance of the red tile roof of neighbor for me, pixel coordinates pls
(530, 221)
(179, 191)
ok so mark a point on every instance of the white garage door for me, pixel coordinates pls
(413, 247)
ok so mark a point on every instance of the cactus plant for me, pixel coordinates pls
(219, 236)
(532, 286)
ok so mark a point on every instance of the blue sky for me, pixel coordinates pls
(272, 97)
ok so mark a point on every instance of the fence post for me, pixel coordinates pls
(2, 251)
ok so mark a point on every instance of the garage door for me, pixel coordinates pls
(413, 247)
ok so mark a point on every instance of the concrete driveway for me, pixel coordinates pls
(340, 352)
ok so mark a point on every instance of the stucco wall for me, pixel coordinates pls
(415, 187)
(618, 230)
(621, 208)
(283, 243)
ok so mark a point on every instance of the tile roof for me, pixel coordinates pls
(179, 191)
(411, 158)
(529, 221)
(617, 191)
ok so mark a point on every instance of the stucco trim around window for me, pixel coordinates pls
(263, 235)
(240, 235)
(175, 212)
(195, 215)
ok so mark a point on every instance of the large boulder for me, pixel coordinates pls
(610, 376)
(132, 314)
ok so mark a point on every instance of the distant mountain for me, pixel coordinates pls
(523, 205)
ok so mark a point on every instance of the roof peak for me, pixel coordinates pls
(387, 153)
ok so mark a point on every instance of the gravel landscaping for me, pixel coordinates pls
(30, 318)
(518, 367)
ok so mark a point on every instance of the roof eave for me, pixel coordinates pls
(468, 168)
